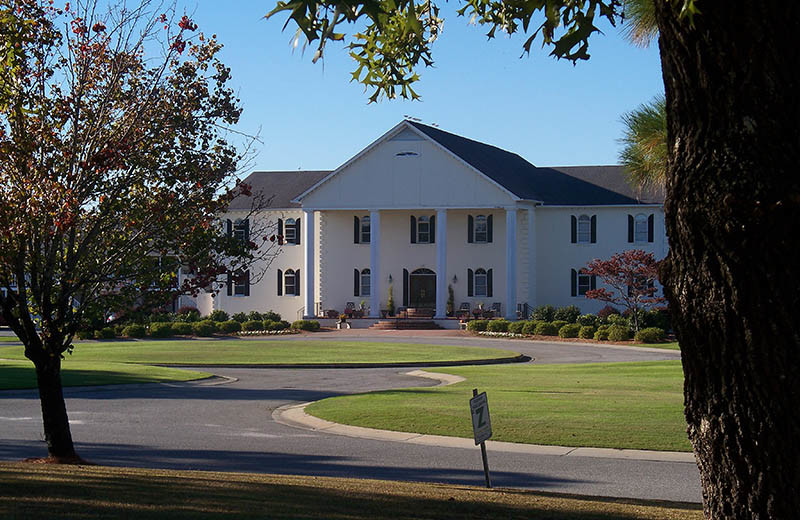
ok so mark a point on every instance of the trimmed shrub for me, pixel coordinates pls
(559, 323)
(271, 316)
(530, 327)
(568, 314)
(218, 316)
(601, 335)
(276, 325)
(657, 318)
(569, 330)
(618, 333)
(617, 319)
(134, 331)
(85, 334)
(516, 327)
(161, 329)
(650, 335)
(546, 329)
(230, 326)
(161, 317)
(204, 328)
(182, 328)
(253, 325)
(285, 324)
(477, 325)
(255, 316)
(586, 332)
(587, 320)
(605, 312)
(240, 317)
(309, 325)
(543, 313)
(190, 316)
(500, 325)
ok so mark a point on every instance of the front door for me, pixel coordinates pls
(422, 289)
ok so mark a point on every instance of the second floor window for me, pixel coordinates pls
(423, 230)
(584, 229)
(365, 230)
(481, 229)
(290, 231)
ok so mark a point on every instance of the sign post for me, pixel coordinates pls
(481, 427)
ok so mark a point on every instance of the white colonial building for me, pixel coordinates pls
(422, 210)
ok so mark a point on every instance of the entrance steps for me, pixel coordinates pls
(405, 324)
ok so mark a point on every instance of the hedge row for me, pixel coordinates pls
(202, 328)
(617, 331)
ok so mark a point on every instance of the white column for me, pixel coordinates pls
(441, 264)
(375, 264)
(309, 265)
(511, 264)
(532, 257)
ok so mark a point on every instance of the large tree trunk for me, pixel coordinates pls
(54, 410)
(733, 273)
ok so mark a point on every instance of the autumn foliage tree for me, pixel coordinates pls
(115, 159)
(631, 278)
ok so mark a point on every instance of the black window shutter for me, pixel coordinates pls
(280, 282)
(650, 223)
(574, 229)
(356, 230)
(230, 282)
(247, 283)
(247, 230)
(470, 229)
(594, 229)
(489, 291)
(470, 283)
(413, 229)
(489, 229)
(432, 235)
(405, 286)
(229, 228)
(593, 283)
(356, 280)
(280, 226)
(297, 284)
(630, 229)
(574, 281)
(297, 232)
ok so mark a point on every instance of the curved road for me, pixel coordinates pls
(226, 425)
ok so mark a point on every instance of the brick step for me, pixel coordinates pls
(403, 324)
(420, 313)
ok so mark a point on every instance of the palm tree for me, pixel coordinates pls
(644, 152)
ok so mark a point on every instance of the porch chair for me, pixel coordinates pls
(497, 310)
(464, 311)
(349, 308)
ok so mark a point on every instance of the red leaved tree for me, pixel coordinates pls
(115, 156)
(631, 276)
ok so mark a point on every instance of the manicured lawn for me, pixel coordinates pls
(235, 351)
(95, 492)
(613, 405)
(9, 339)
(20, 374)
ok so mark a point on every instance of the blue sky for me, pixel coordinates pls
(309, 116)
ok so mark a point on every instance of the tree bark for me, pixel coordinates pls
(54, 410)
(733, 272)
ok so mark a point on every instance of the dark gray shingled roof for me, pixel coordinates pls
(283, 187)
(563, 186)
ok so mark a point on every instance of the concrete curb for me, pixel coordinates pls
(294, 415)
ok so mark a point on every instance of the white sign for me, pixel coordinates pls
(481, 424)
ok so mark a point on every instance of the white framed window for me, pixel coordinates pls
(584, 229)
(481, 229)
(366, 231)
(289, 283)
(240, 281)
(240, 230)
(480, 282)
(290, 231)
(640, 228)
(366, 286)
(584, 283)
(423, 230)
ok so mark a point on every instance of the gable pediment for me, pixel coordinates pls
(406, 169)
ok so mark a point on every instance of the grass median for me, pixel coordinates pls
(39, 491)
(20, 374)
(241, 351)
(608, 405)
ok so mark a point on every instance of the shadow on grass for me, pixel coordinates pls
(89, 493)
